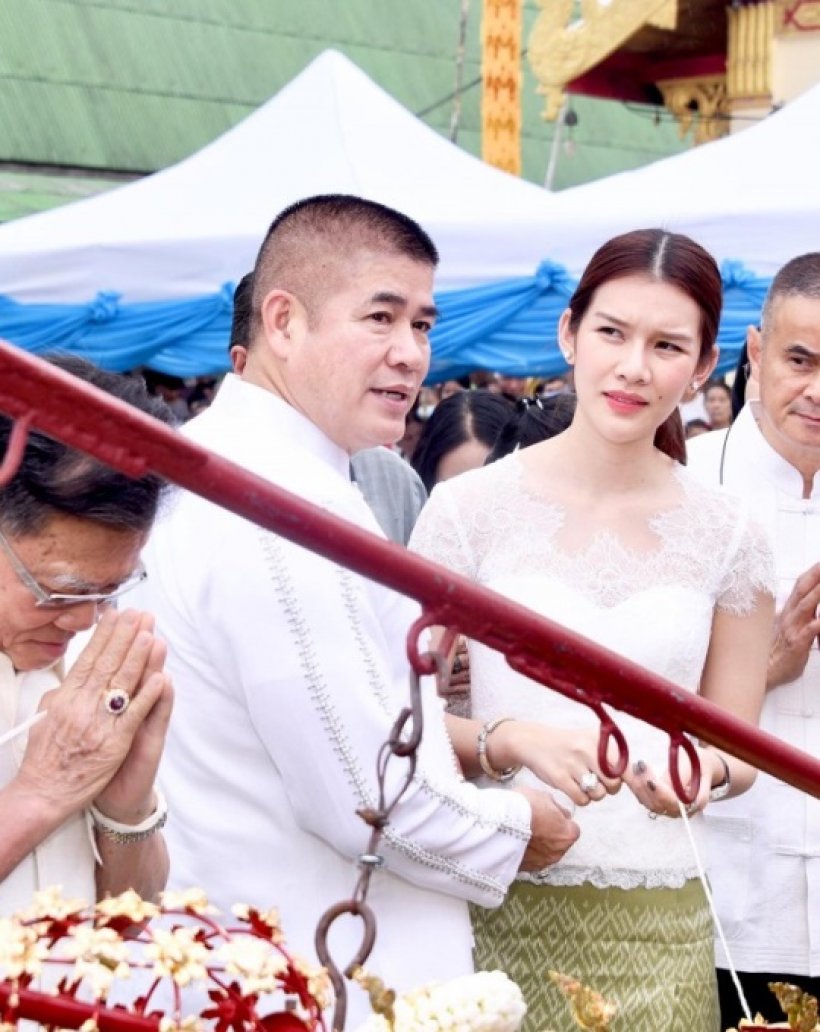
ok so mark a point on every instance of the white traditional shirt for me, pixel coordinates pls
(765, 844)
(289, 671)
(66, 857)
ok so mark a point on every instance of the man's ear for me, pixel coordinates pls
(754, 347)
(280, 313)
(239, 358)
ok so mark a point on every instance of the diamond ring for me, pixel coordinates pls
(589, 781)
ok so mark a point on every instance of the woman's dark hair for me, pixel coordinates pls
(668, 258)
(534, 420)
(465, 416)
(56, 480)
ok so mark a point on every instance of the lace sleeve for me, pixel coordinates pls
(438, 534)
(749, 571)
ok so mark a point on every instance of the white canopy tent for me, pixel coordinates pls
(752, 196)
(186, 230)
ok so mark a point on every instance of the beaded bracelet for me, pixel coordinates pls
(483, 759)
(128, 833)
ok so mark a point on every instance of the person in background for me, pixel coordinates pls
(171, 389)
(512, 387)
(603, 530)
(451, 387)
(765, 846)
(290, 671)
(534, 420)
(459, 435)
(695, 427)
(717, 400)
(553, 385)
(413, 429)
(78, 764)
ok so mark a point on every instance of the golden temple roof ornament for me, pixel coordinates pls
(561, 47)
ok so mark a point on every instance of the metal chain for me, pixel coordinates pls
(402, 743)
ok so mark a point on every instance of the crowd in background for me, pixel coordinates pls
(497, 414)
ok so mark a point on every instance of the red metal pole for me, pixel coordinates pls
(127, 439)
(64, 1012)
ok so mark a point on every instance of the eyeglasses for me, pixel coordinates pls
(55, 600)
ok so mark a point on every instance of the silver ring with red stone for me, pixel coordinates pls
(116, 701)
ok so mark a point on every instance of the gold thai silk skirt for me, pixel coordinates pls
(651, 950)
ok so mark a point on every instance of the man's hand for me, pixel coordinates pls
(553, 831)
(795, 629)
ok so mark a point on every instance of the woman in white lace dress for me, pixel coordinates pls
(602, 530)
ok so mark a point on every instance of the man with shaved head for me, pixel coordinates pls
(290, 670)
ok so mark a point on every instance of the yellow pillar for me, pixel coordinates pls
(501, 84)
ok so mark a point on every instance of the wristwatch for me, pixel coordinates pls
(721, 789)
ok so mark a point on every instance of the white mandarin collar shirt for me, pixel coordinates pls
(765, 845)
(288, 672)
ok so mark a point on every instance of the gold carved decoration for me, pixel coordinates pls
(749, 51)
(798, 16)
(700, 104)
(501, 84)
(561, 48)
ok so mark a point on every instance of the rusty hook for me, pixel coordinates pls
(610, 732)
(356, 909)
(686, 796)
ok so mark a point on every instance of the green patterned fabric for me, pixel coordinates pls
(648, 949)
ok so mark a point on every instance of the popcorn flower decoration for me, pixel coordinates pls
(60, 961)
(250, 979)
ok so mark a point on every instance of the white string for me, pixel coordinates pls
(710, 900)
(21, 728)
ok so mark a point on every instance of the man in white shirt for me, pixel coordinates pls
(290, 670)
(765, 845)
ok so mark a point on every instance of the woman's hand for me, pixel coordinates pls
(565, 758)
(656, 793)
(81, 752)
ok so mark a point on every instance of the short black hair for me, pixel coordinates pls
(308, 241)
(57, 480)
(242, 312)
(799, 277)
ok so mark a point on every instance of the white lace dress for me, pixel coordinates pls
(650, 598)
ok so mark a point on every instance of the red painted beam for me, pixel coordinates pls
(127, 439)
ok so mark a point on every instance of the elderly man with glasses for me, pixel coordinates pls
(78, 750)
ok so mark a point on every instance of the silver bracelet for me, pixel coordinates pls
(481, 752)
(127, 833)
(721, 789)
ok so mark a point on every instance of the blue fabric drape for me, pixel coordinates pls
(508, 326)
